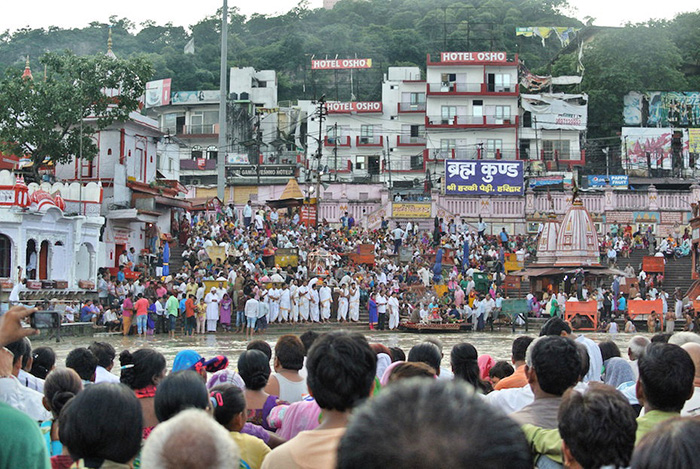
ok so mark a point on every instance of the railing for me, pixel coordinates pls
(404, 140)
(471, 120)
(482, 88)
(412, 107)
(342, 141)
(201, 129)
(673, 200)
(372, 141)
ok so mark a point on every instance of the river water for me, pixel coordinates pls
(496, 344)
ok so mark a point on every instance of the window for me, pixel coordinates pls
(556, 149)
(197, 152)
(366, 134)
(360, 162)
(499, 82)
(417, 98)
(448, 114)
(492, 145)
(447, 145)
(203, 122)
(416, 130)
(5, 257)
(503, 112)
(212, 152)
(417, 162)
(169, 123)
(87, 168)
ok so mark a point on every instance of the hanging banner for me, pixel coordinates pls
(340, 64)
(557, 111)
(632, 112)
(478, 177)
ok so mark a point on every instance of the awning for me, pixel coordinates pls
(131, 215)
(549, 271)
(173, 202)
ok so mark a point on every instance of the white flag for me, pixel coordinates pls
(189, 47)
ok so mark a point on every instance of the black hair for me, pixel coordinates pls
(289, 350)
(230, 402)
(501, 369)
(557, 364)
(555, 326)
(673, 443)
(141, 368)
(19, 349)
(609, 349)
(102, 423)
(598, 426)
(661, 338)
(83, 361)
(464, 359)
(179, 391)
(61, 385)
(341, 369)
(308, 338)
(259, 344)
(44, 361)
(397, 354)
(519, 347)
(428, 353)
(666, 374)
(488, 439)
(104, 352)
(254, 368)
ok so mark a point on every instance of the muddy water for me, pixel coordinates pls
(496, 344)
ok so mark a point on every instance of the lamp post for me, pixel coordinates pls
(221, 154)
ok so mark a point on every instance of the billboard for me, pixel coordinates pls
(557, 111)
(411, 210)
(266, 170)
(483, 177)
(665, 108)
(461, 57)
(615, 181)
(194, 97)
(340, 64)
(650, 147)
(158, 92)
(335, 107)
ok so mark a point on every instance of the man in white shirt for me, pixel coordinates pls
(398, 236)
(393, 307)
(105, 353)
(247, 214)
(381, 301)
(251, 314)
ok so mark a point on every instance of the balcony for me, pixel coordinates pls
(472, 89)
(373, 141)
(203, 130)
(411, 107)
(406, 141)
(462, 122)
(339, 141)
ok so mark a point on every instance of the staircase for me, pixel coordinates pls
(176, 260)
(677, 274)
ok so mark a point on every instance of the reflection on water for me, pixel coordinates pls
(496, 344)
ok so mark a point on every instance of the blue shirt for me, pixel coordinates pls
(622, 304)
(504, 236)
(120, 276)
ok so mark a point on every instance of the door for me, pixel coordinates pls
(44, 260)
(118, 250)
(373, 164)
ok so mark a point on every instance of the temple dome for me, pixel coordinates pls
(547, 242)
(577, 240)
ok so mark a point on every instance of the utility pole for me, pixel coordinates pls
(388, 164)
(321, 115)
(258, 144)
(335, 149)
(221, 154)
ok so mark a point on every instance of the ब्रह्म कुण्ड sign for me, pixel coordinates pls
(477, 177)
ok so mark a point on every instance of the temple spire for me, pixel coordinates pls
(109, 45)
(27, 75)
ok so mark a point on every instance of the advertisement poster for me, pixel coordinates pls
(674, 109)
(615, 181)
(483, 177)
(642, 147)
(557, 111)
(411, 210)
(158, 93)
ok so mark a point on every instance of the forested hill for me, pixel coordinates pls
(658, 55)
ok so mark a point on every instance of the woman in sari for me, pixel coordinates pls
(225, 308)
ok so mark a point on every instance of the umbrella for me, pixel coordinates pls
(313, 282)
(276, 278)
(166, 259)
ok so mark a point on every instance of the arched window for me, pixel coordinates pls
(5, 257)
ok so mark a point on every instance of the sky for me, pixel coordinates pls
(78, 13)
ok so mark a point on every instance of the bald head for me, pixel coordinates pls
(693, 350)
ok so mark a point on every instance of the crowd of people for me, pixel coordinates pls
(619, 242)
(318, 400)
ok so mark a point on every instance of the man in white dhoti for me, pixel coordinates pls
(343, 303)
(212, 302)
(393, 311)
(294, 296)
(314, 306)
(354, 303)
(304, 302)
(285, 303)
(325, 298)
(274, 296)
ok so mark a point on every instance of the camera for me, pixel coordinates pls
(44, 319)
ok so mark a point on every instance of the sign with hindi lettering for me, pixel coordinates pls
(411, 210)
(483, 177)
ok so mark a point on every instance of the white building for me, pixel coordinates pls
(39, 228)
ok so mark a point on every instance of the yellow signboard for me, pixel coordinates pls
(411, 210)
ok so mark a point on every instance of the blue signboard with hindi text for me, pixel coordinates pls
(483, 177)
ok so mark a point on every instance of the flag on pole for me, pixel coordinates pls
(189, 47)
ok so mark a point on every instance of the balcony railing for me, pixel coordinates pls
(371, 141)
(201, 129)
(404, 140)
(412, 107)
(475, 121)
(342, 141)
(474, 88)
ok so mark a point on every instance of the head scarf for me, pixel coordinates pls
(617, 372)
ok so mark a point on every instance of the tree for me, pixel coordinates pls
(42, 118)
